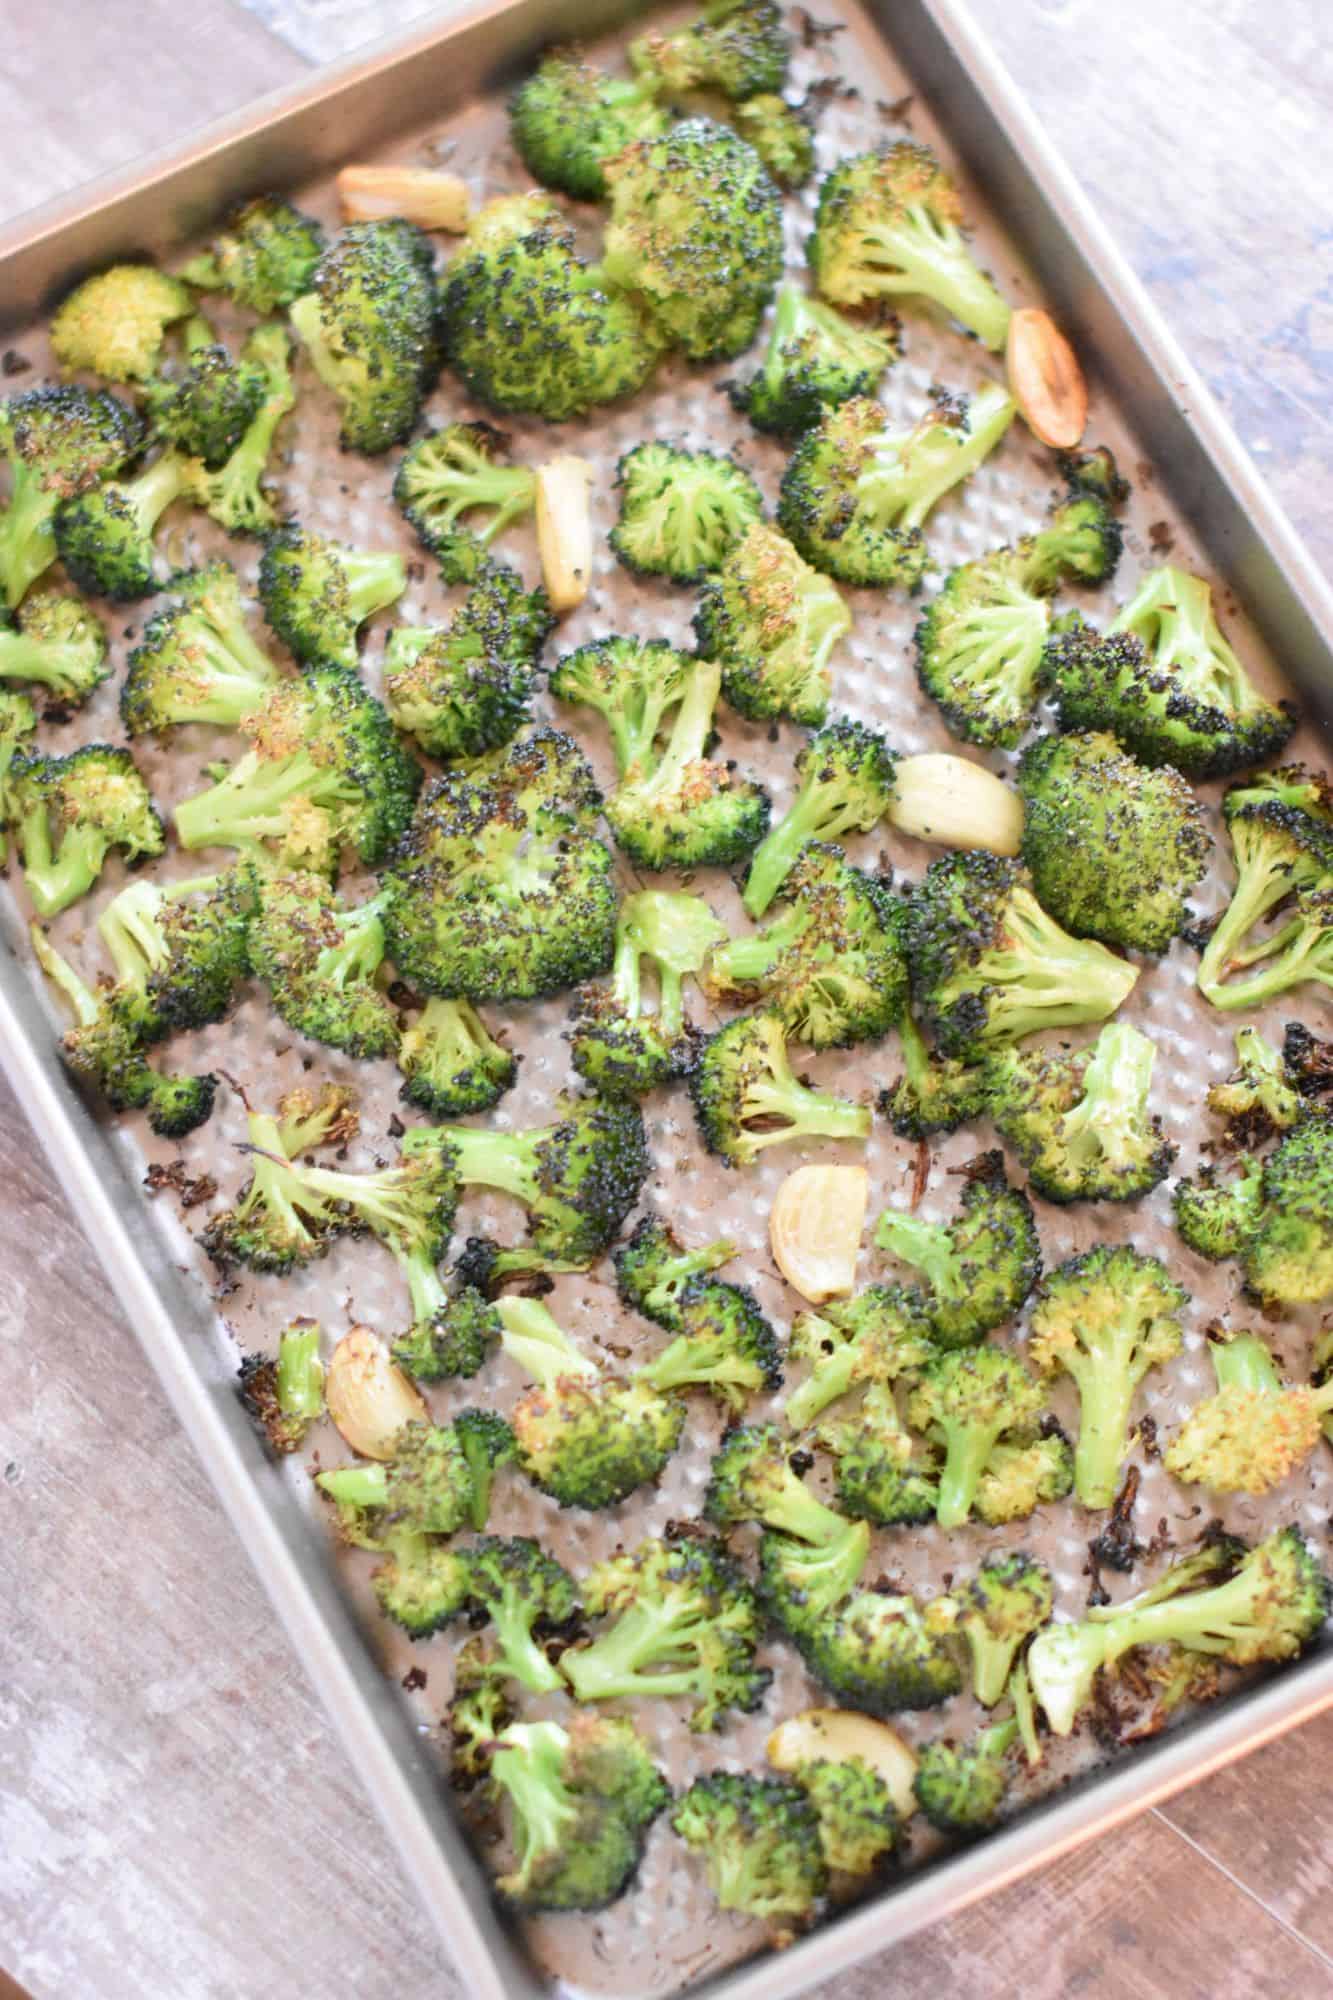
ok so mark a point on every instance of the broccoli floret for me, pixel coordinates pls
(890, 224)
(989, 965)
(582, 1799)
(1257, 1100)
(978, 1268)
(696, 235)
(1253, 1432)
(70, 812)
(466, 688)
(759, 1840)
(450, 477)
(58, 442)
(1106, 1317)
(528, 326)
(479, 1711)
(859, 1825)
(684, 1622)
(1164, 681)
(1114, 847)
(967, 1401)
(832, 966)
(856, 494)
(1270, 1609)
(880, 1653)
(771, 622)
(747, 1096)
(846, 782)
(1308, 1061)
(567, 120)
(653, 1272)
(815, 360)
(802, 1583)
(1288, 1260)
(196, 662)
(724, 1344)
(451, 1062)
(932, 1094)
(782, 134)
(1019, 1478)
(285, 1396)
(179, 949)
(114, 323)
(488, 1443)
(316, 593)
(1079, 1119)
(1216, 1218)
(368, 323)
(207, 409)
(616, 1046)
(423, 1488)
(319, 960)
(501, 891)
(736, 47)
(234, 494)
(681, 512)
(454, 1335)
(880, 1474)
(752, 1480)
(870, 1339)
(1301, 952)
(422, 1583)
(59, 645)
(265, 256)
(324, 771)
(524, 1592)
(18, 723)
(961, 1787)
(105, 536)
(996, 1612)
(1281, 828)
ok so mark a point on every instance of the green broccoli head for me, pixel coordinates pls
(1288, 1260)
(752, 1480)
(114, 323)
(1260, 1098)
(978, 1268)
(653, 1270)
(1216, 1216)
(368, 323)
(450, 1061)
(816, 358)
(1252, 1432)
(207, 409)
(967, 1401)
(459, 489)
(616, 1045)
(423, 1488)
(265, 256)
(772, 623)
(234, 494)
(934, 1093)
(104, 536)
(681, 512)
(881, 1473)
(860, 1827)
(59, 645)
(782, 134)
(961, 1787)
(582, 1798)
(196, 662)
(1079, 1119)
(316, 593)
(1020, 1477)
(69, 814)
(59, 441)
(724, 1344)
(846, 782)
(802, 1584)
(567, 120)
(873, 1338)
(180, 949)
(996, 1611)
(880, 1653)
(759, 1840)
(466, 688)
(736, 47)
(319, 960)
(457, 1339)
(747, 1097)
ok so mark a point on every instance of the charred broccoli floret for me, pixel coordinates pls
(1105, 1317)
(1258, 1099)
(459, 489)
(961, 1787)
(18, 723)
(207, 409)
(1216, 1217)
(747, 1096)
(978, 1268)
(1019, 1478)
(996, 1611)
(423, 1488)
(681, 512)
(815, 360)
(466, 688)
(197, 661)
(653, 1271)
(771, 622)
(104, 536)
(567, 120)
(1288, 1260)
(934, 1093)
(782, 134)
(525, 1593)
(451, 1062)
(1308, 1061)
(319, 960)
(880, 1472)
(752, 1480)
(616, 1045)
(737, 47)
(70, 812)
(1079, 1119)
(265, 256)
(1254, 1431)
(1280, 824)
(759, 1840)
(855, 495)
(967, 1402)
(872, 1339)
(488, 1443)
(59, 645)
(846, 783)
(114, 323)
(59, 441)
(859, 1824)
(582, 1799)
(881, 1653)
(285, 1396)
(234, 494)
(455, 1336)
(724, 1344)
(368, 323)
(316, 593)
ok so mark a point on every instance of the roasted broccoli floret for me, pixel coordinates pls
(961, 1787)
(759, 1840)
(567, 120)
(724, 1344)
(996, 1611)
(1254, 1431)
(747, 1096)
(58, 442)
(1164, 680)
(114, 323)
(752, 1480)
(967, 1402)
(859, 1824)
(1217, 1217)
(59, 645)
(802, 1583)
(737, 47)
(1280, 824)
(872, 1338)
(989, 965)
(104, 536)
(1258, 1099)
(831, 966)
(1019, 1478)
(681, 512)
(1105, 1317)
(1114, 847)
(856, 494)
(265, 256)
(782, 134)
(683, 1622)
(881, 1653)
(815, 360)
(1308, 1061)
(466, 688)
(488, 1443)
(524, 1593)
(18, 723)
(771, 622)
(934, 1093)
(528, 326)
(500, 890)
(978, 1268)
(368, 323)
(285, 1396)
(880, 1472)
(208, 407)
(70, 812)
(479, 1711)
(451, 1062)
(424, 1487)
(197, 661)
(696, 236)
(846, 782)
(1079, 1119)
(1288, 1260)
(653, 1272)
(890, 224)
(459, 489)
(316, 593)
(319, 960)
(616, 1045)
(1301, 952)
(233, 495)
(582, 1799)
(1270, 1608)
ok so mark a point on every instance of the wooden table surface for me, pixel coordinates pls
(176, 1822)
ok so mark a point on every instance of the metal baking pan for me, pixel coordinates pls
(1050, 247)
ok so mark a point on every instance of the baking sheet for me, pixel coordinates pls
(667, 1932)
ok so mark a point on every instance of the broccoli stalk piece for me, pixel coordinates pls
(870, 1339)
(59, 442)
(653, 1272)
(319, 960)
(1254, 1431)
(772, 623)
(70, 812)
(747, 1097)
(286, 1396)
(1301, 951)
(197, 662)
(760, 1843)
(724, 1344)
(1257, 1100)
(890, 224)
(104, 536)
(523, 1592)
(1079, 1121)
(582, 1799)
(736, 47)
(114, 323)
(368, 324)
(488, 1443)
(59, 645)
(967, 1401)
(1216, 1218)
(451, 1063)
(996, 1612)
(316, 593)
(815, 360)
(1106, 1317)
(1281, 829)
(567, 120)
(233, 494)
(1270, 1608)
(264, 257)
(880, 1474)
(846, 785)
(448, 478)
(961, 1788)
(978, 1268)
(683, 1622)
(932, 1095)
(681, 512)
(617, 1047)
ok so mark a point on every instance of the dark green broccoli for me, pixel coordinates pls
(782, 134)
(724, 1344)
(319, 960)
(961, 1787)
(1164, 680)
(846, 782)
(880, 1472)
(104, 536)
(1271, 1606)
(59, 645)
(451, 1062)
(802, 1583)
(832, 966)
(856, 494)
(450, 477)
(454, 1335)
(881, 1653)
(978, 1268)
(285, 1396)
(68, 813)
(114, 323)
(681, 512)
(424, 1487)
(683, 1622)
(890, 224)
(996, 1612)
(197, 661)
(933, 1094)
(982, 642)
(815, 359)
(696, 236)
(206, 409)
(1259, 1098)
(616, 1045)
(989, 966)
(747, 1096)
(58, 442)
(1288, 1260)
(1106, 1317)
(653, 1272)
(479, 1711)
(1079, 1119)
(488, 1443)
(18, 724)
(736, 47)
(466, 688)
(324, 771)
(966, 1402)
(872, 1338)
(265, 256)
(1280, 824)
(859, 1825)
(233, 495)
(501, 890)
(771, 622)
(582, 1797)
(524, 1593)
(368, 323)
(810, 1557)
(567, 120)
(316, 593)
(1217, 1217)
(759, 1840)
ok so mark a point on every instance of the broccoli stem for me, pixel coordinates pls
(747, 961)
(831, 1377)
(131, 928)
(933, 258)
(56, 881)
(777, 852)
(247, 806)
(357, 1486)
(966, 1449)
(1106, 1395)
(804, 1113)
(24, 658)
(82, 1001)
(1115, 1087)
(1300, 951)
(277, 1186)
(633, 1657)
(300, 1372)
(152, 492)
(1264, 880)
(1043, 978)
(691, 727)
(927, 1246)
(526, 1763)
(27, 539)
(522, 1657)
(1025, 1714)
(1244, 1363)
(541, 1348)
(497, 1160)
